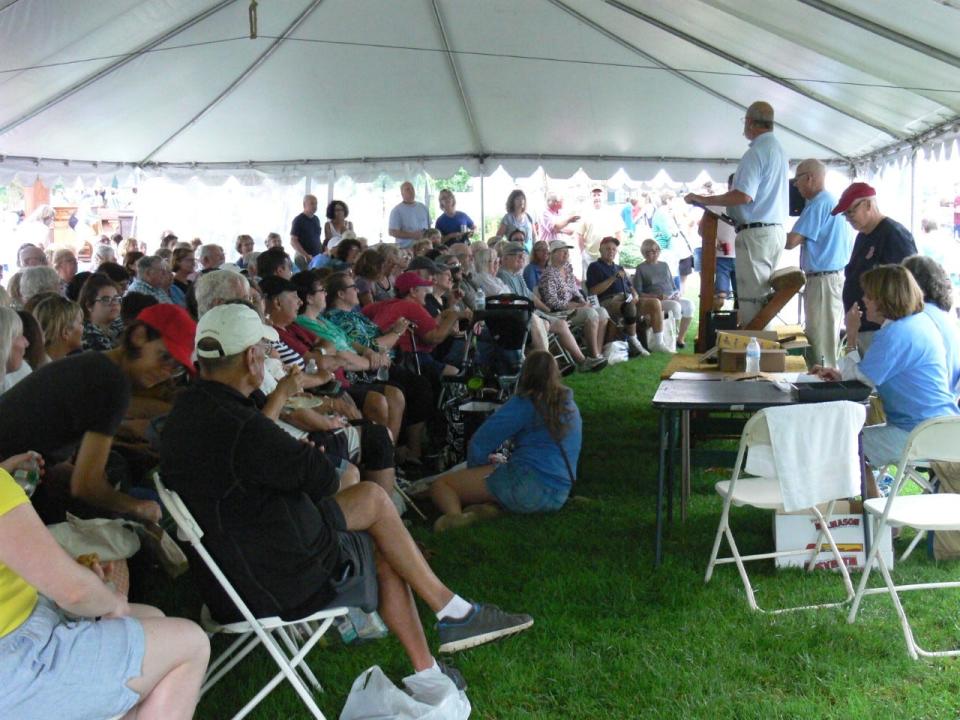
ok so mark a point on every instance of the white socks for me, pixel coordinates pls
(658, 337)
(456, 609)
(431, 668)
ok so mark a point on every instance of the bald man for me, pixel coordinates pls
(305, 231)
(409, 218)
(759, 203)
(824, 242)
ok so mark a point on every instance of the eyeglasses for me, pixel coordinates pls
(853, 208)
(109, 300)
(172, 364)
(320, 289)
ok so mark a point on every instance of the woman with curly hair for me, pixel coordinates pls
(336, 225)
(543, 424)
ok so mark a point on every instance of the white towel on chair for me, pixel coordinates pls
(814, 452)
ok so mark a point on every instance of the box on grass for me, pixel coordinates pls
(795, 531)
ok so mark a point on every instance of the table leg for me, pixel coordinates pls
(684, 464)
(865, 521)
(672, 432)
(663, 435)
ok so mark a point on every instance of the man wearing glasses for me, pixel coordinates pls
(824, 242)
(880, 241)
(758, 202)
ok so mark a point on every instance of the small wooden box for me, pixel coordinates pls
(736, 360)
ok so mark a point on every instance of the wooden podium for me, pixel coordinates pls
(786, 282)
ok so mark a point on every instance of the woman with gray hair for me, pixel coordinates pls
(36, 280)
(937, 300)
(13, 345)
(102, 254)
(486, 263)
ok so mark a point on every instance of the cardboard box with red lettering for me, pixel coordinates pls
(794, 531)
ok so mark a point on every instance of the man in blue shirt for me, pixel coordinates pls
(305, 231)
(759, 202)
(824, 242)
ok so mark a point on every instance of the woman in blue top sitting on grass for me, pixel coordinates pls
(543, 424)
(906, 363)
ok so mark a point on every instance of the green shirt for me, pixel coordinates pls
(327, 330)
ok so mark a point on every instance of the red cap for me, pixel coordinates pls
(409, 280)
(856, 191)
(177, 329)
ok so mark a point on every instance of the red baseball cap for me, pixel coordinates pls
(856, 191)
(177, 329)
(409, 280)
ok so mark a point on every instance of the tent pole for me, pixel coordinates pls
(483, 214)
(913, 192)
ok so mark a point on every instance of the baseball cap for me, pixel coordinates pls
(176, 327)
(559, 245)
(856, 191)
(235, 326)
(409, 280)
(423, 263)
(513, 248)
(610, 238)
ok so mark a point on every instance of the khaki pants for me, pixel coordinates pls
(823, 309)
(758, 252)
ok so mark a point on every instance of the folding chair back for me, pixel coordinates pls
(933, 441)
(253, 631)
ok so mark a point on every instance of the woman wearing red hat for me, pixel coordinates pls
(70, 410)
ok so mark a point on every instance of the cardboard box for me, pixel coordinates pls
(794, 531)
(739, 339)
(736, 360)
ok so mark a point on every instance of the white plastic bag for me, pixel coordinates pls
(617, 352)
(433, 696)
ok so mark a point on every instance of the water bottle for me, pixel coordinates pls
(480, 300)
(368, 626)
(28, 476)
(311, 368)
(348, 633)
(753, 357)
(383, 372)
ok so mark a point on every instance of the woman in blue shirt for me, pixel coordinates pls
(544, 426)
(906, 362)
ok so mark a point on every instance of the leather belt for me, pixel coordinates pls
(750, 226)
(822, 273)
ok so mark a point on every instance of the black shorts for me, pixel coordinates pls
(686, 266)
(354, 581)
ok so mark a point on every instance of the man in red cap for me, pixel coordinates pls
(880, 241)
(70, 410)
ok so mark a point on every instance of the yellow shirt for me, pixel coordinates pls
(17, 598)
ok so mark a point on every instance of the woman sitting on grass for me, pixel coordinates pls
(543, 424)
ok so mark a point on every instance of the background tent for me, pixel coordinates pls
(367, 86)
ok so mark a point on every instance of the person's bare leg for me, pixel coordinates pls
(399, 613)
(349, 477)
(415, 440)
(538, 333)
(684, 326)
(385, 478)
(591, 336)
(174, 661)
(375, 408)
(367, 507)
(449, 492)
(652, 308)
(396, 404)
(567, 341)
(602, 323)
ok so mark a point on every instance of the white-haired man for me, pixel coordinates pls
(759, 202)
(305, 231)
(153, 278)
(211, 257)
(824, 242)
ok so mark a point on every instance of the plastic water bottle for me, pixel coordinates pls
(348, 633)
(28, 476)
(753, 357)
(311, 368)
(368, 626)
(480, 300)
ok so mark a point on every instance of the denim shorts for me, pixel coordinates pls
(726, 278)
(58, 668)
(519, 490)
(884, 444)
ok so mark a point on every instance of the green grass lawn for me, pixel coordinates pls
(615, 639)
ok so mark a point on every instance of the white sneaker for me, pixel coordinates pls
(635, 345)
(661, 347)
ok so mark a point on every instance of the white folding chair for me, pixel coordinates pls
(253, 631)
(764, 493)
(937, 439)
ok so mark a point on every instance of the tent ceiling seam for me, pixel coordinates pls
(891, 35)
(930, 134)
(686, 78)
(729, 57)
(103, 72)
(455, 71)
(312, 5)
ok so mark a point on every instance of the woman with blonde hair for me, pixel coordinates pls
(13, 347)
(62, 323)
(543, 423)
(906, 362)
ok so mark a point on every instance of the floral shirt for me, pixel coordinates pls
(96, 338)
(356, 327)
(558, 286)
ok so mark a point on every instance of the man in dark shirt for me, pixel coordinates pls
(609, 282)
(305, 231)
(880, 241)
(267, 508)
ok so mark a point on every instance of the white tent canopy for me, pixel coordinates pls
(360, 87)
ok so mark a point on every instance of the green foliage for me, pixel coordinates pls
(458, 182)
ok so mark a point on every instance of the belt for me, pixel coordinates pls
(821, 273)
(750, 226)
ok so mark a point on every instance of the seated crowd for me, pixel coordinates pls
(290, 399)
